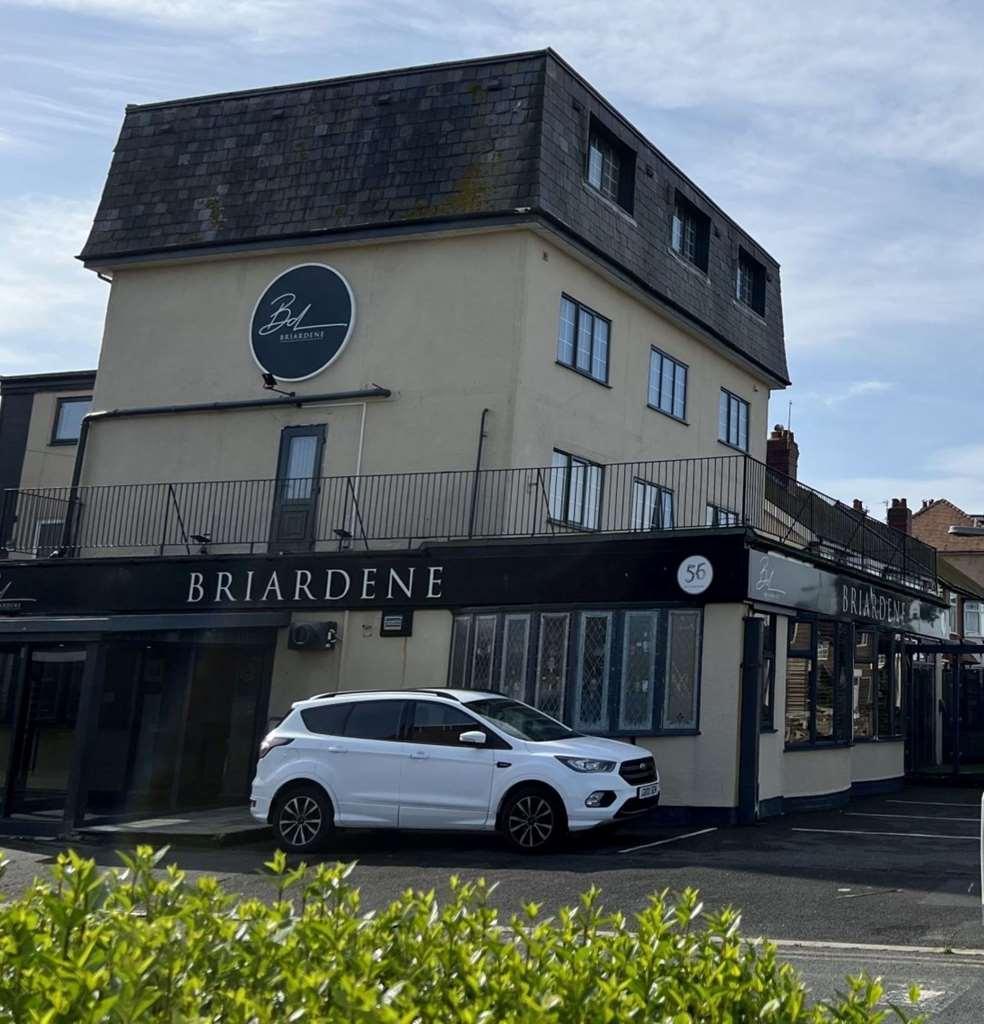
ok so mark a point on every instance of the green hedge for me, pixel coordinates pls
(143, 945)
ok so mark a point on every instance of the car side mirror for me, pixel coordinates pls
(473, 736)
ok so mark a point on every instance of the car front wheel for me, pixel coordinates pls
(533, 820)
(302, 820)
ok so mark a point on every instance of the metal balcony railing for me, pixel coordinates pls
(405, 509)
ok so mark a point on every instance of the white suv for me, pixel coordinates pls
(442, 759)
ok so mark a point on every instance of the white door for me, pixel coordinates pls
(367, 762)
(445, 783)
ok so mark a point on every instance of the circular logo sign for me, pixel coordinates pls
(302, 322)
(695, 574)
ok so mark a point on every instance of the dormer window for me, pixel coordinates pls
(691, 232)
(611, 166)
(750, 282)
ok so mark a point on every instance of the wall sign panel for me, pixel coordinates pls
(302, 321)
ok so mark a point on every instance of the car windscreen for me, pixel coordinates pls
(520, 720)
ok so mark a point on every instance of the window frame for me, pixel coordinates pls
(684, 213)
(842, 733)
(60, 404)
(767, 722)
(583, 310)
(676, 364)
(616, 616)
(713, 516)
(568, 471)
(729, 397)
(755, 273)
(896, 712)
(661, 493)
(623, 157)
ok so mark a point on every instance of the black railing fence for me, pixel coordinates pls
(386, 510)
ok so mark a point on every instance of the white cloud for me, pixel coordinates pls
(51, 309)
(856, 390)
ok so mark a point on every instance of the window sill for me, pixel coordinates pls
(576, 527)
(668, 415)
(55, 443)
(878, 739)
(768, 730)
(583, 373)
(751, 311)
(794, 748)
(610, 203)
(687, 265)
(652, 733)
(733, 447)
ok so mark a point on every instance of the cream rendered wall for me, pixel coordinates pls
(437, 321)
(45, 464)
(702, 770)
(871, 762)
(362, 659)
(556, 407)
(817, 772)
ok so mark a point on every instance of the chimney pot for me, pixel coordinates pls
(782, 452)
(859, 505)
(900, 516)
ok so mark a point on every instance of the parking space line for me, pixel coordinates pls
(873, 947)
(672, 839)
(932, 803)
(910, 817)
(904, 835)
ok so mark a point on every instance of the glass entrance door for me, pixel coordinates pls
(45, 731)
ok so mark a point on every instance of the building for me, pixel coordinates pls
(41, 417)
(441, 375)
(958, 712)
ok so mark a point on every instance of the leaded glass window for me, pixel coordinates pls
(593, 664)
(551, 667)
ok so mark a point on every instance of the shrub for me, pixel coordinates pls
(146, 945)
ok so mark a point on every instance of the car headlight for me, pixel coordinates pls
(586, 764)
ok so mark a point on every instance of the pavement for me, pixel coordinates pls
(890, 885)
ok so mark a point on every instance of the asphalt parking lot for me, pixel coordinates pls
(890, 885)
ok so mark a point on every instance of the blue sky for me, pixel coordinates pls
(847, 138)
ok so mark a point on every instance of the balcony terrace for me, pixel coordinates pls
(386, 511)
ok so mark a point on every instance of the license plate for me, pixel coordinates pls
(645, 792)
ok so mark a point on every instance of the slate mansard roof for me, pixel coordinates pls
(496, 139)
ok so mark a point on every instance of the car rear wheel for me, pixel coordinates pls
(533, 820)
(303, 819)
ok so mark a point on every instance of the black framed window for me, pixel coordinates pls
(767, 717)
(575, 490)
(69, 414)
(718, 515)
(818, 673)
(652, 506)
(733, 420)
(667, 384)
(750, 282)
(593, 671)
(877, 685)
(613, 671)
(583, 339)
(603, 166)
(690, 232)
(610, 166)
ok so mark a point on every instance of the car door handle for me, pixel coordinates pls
(336, 750)
(420, 755)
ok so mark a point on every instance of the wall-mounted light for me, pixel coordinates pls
(270, 384)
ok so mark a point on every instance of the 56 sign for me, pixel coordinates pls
(695, 574)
